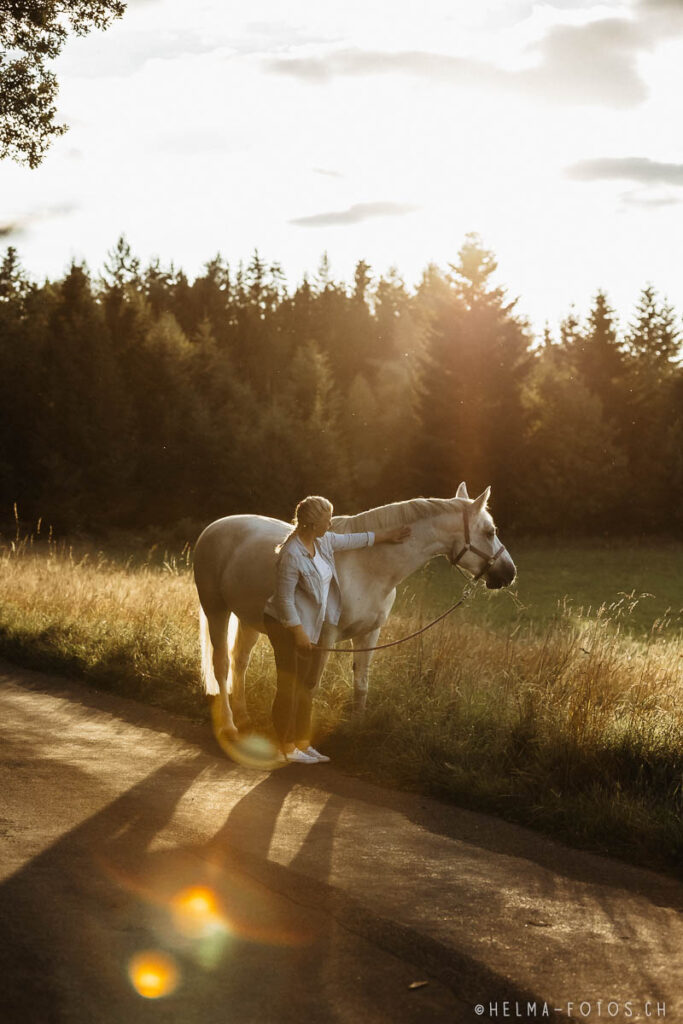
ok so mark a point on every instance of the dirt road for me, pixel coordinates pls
(295, 895)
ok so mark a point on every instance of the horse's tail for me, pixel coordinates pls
(208, 675)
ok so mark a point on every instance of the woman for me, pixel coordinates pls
(307, 595)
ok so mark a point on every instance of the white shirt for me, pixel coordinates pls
(298, 582)
(325, 573)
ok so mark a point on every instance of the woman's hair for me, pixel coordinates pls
(308, 512)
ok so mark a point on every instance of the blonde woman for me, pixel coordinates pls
(307, 594)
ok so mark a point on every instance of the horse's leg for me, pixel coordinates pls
(240, 643)
(361, 668)
(218, 631)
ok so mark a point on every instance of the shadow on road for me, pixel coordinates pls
(275, 940)
(276, 947)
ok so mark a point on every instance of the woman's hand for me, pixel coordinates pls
(395, 536)
(301, 638)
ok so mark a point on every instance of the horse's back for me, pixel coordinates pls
(234, 564)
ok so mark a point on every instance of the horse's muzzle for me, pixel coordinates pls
(501, 574)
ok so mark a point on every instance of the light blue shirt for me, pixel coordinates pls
(302, 597)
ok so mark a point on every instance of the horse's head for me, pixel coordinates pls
(481, 551)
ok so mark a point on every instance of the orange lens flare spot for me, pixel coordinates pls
(252, 751)
(195, 911)
(153, 974)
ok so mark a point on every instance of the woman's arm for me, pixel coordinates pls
(341, 541)
(285, 584)
(345, 541)
(394, 536)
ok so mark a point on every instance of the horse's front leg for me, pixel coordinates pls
(361, 667)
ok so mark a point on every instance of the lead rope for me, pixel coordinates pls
(466, 594)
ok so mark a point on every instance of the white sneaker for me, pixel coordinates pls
(297, 756)
(312, 752)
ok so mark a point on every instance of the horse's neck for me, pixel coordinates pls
(428, 538)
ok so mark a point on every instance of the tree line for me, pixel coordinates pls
(137, 398)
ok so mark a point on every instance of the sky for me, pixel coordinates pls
(382, 130)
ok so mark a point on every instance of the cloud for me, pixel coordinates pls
(649, 201)
(661, 18)
(353, 215)
(592, 64)
(632, 168)
(668, 6)
(506, 13)
(437, 66)
(20, 225)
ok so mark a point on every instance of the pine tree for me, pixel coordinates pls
(80, 421)
(598, 356)
(122, 268)
(470, 383)
(16, 353)
(14, 284)
(579, 469)
(650, 409)
(654, 338)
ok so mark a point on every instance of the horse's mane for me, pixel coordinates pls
(398, 513)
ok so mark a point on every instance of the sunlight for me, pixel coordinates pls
(196, 913)
(253, 751)
(153, 974)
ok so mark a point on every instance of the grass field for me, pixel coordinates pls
(562, 709)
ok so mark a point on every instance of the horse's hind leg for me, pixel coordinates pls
(218, 631)
(241, 641)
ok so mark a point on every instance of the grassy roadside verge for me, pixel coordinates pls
(565, 719)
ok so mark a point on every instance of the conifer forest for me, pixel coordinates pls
(133, 397)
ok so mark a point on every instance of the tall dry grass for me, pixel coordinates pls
(576, 729)
(130, 626)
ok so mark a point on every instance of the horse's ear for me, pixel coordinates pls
(480, 502)
(462, 491)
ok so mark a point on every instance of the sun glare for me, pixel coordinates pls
(252, 751)
(153, 974)
(196, 913)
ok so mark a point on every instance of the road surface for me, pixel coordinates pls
(293, 895)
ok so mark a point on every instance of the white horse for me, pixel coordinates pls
(234, 568)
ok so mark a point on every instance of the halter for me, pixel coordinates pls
(468, 546)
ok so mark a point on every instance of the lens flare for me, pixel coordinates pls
(252, 751)
(196, 913)
(153, 974)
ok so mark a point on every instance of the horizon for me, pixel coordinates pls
(290, 286)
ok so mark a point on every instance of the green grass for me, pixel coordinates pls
(586, 575)
(562, 709)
